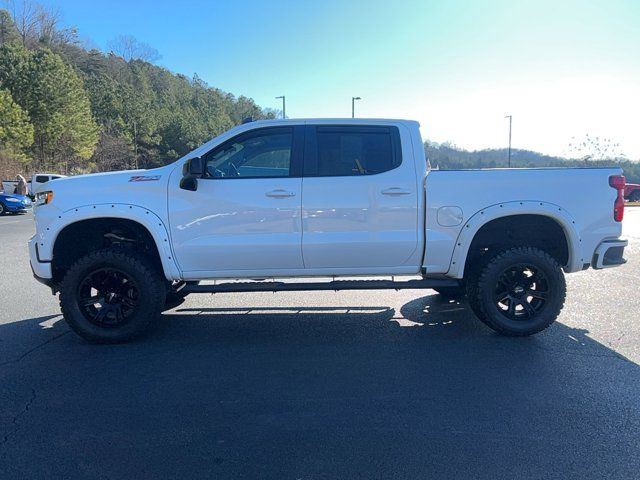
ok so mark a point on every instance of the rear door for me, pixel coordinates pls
(360, 199)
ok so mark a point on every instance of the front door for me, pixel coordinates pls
(245, 215)
(360, 201)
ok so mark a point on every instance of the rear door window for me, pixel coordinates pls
(353, 150)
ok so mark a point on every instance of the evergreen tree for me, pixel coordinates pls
(16, 132)
(53, 95)
(8, 31)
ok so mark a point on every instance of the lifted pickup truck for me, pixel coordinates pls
(321, 198)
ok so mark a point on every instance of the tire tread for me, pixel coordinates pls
(140, 263)
(477, 287)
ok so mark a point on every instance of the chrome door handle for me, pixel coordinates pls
(395, 191)
(280, 194)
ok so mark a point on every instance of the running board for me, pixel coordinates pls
(336, 285)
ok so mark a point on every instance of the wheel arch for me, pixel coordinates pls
(546, 211)
(138, 217)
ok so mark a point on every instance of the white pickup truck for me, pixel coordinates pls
(37, 180)
(286, 199)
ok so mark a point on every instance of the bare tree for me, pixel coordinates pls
(38, 24)
(25, 19)
(112, 153)
(48, 28)
(129, 48)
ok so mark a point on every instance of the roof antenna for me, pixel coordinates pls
(247, 120)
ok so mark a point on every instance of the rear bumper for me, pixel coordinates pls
(609, 253)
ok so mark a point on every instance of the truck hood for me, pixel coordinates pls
(106, 179)
(134, 187)
(100, 177)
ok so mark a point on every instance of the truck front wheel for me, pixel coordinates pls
(112, 296)
(520, 291)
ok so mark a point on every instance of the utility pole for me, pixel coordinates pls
(353, 106)
(284, 112)
(510, 117)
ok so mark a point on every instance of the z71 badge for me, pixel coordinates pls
(145, 178)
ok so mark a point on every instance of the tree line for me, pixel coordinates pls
(69, 109)
(446, 156)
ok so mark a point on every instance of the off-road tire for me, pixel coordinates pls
(150, 287)
(471, 285)
(482, 295)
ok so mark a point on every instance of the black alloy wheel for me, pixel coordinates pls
(112, 295)
(108, 297)
(521, 291)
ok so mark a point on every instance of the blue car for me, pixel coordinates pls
(12, 203)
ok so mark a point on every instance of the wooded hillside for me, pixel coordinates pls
(67, 109)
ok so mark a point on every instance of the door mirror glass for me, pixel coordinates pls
(193, 167)
(191, 171)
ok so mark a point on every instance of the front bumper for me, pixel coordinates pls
(41, 269)
(609, 253)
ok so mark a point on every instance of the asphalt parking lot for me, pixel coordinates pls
(323, 385)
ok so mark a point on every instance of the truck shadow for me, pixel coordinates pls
(323, 392)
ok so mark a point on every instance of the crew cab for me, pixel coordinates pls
(287, 199)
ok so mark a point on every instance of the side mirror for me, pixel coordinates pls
(193, 167)
(191, 171)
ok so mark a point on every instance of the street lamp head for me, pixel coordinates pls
(356, 98)
(281, 96)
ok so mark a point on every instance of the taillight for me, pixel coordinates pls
(618, 182)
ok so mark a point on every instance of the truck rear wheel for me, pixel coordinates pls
(519, 292)
(112, 296)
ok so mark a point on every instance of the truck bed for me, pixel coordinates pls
(580, 198)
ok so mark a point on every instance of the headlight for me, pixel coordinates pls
(13, 200)
(42, 198)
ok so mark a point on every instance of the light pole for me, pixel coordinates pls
(353, 106)
(284, 113)
(510, 119)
